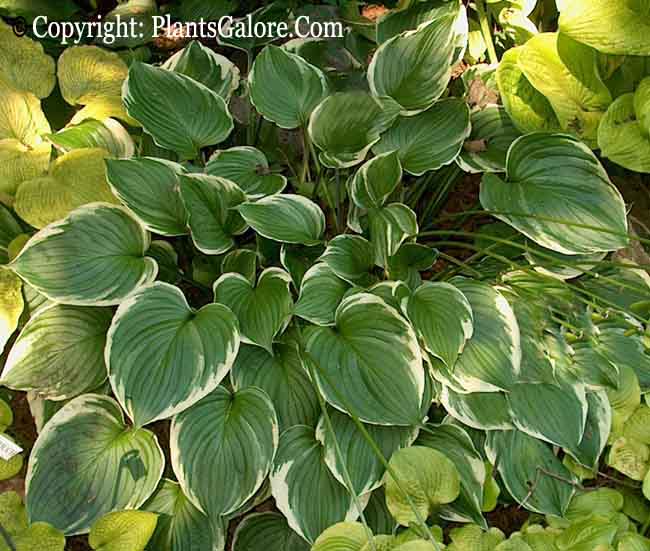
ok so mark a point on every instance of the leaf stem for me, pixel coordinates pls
(484, 21)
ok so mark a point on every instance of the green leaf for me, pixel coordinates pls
(225, 437)
(346, 125)
(597, 429)
(390, 226)
(178, 112)
(284, 377)
(150, 189)
(407, 263)
(428, 478)
(156, 336)
(343, 536)
(321, 293)
(557, 193)
(116, 466)
(123, 531)
(60, 352)
(590, 533)
(479, 410)
(207, 67)
(414, 68)
(375, 181)
(370, 362)
(268, 531)
(210, 202)
(429, 140)
(94, 257)
(286, 218)
(11, 304)
(263, 310)
(300, 475)
(397, 21)
(284, 88)
(473, 538)
(107, 134)
(249, 169)
(6, 416)
(351, 258)
(9, 468)
(9, 230)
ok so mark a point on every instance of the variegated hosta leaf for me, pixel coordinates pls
(223, 448)
(377, 515)
(428, 478)
(115, 466)
(522, 462)
(179, 113)
(207, 67)
(414, 68)
(411, 259)
(558, 194)
(283, 377)
(123, 531)
(163, 356)
(94, 257)
(249, 169)
(442, 317)
(397, 21)
(60, 352)
(376, 180)
(180, 524)
(429, 140)
(479, 410)
(365, 469)
(284, 88)
(263, 310)
(108, 134)
(286, 218)
(75, 179)
(321, 292)
(370, 362)
(597, 429)
(351, 258)
(150, 189)
(343, 536)
(268, 531)
(11, 304)
(298, 259)
(299, 475)
(346, 125)
(390, 226)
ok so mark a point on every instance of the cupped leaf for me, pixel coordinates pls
(390, 226)
(123, 531)
(286, 218)
(285, 88)
(60, 352)
(150, 189)
(107, 134)
(93, 257)
(369, 362)
(351, 258)
(429, 140)
(115, 466)
(321, 292)
(163, 356)
(225, 437)
(267, 531)
(558, 194)
(179, 113)
(376, 180)
(343, 536)
(11, 304)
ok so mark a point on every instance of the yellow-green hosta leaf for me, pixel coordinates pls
(268, 531)
(103, 108)
(588, 534)
(40, 536)
(227, 436)
(10, 467)
(20, 162)
(473, 538)
(285, 88)
(74, 179)
(116, 466)
(10, 229)
(630, 457)
(6, 416)
(123, 531)
(93, 257)
(107, 134)
(429, 479)
(619, 27)
(179, 113)
(604, 502)
(633, 542)
(558, 194)
(11, 304)
(344, 536)
(321, 292)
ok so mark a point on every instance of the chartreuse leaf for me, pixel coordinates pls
(587, 534)
(610, 27)
(156, 337)
(283, 377)
(369, 362)
(225, 437)
(107, 134)
(284, 88)
(442, 317)
(248, 168)
(180, 524)
(123, 531)
(179, 113)
(350, 257)
(558, 194)
(321, 292)
(116, 466)
(150, 189)
(6, 416)
(346, 125)
(10, 467)
(93, 257)
(75, 179)
(11, 304)
(523, 464)
(376, 180)
(365, 469)
(343, 536)
(472, 537)
(427, 476)
(630, 457)
(429, 140)
(267, 531)
(207, 67)
(300, 473)
(633, 542)
(60, 352)
(263, 310)
(10, 229)
(414, 68)
(286, 218)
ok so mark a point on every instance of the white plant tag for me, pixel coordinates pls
(8, 449)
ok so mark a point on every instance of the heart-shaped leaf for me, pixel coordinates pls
(350, 257)
(123, 531)
(321, 293)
